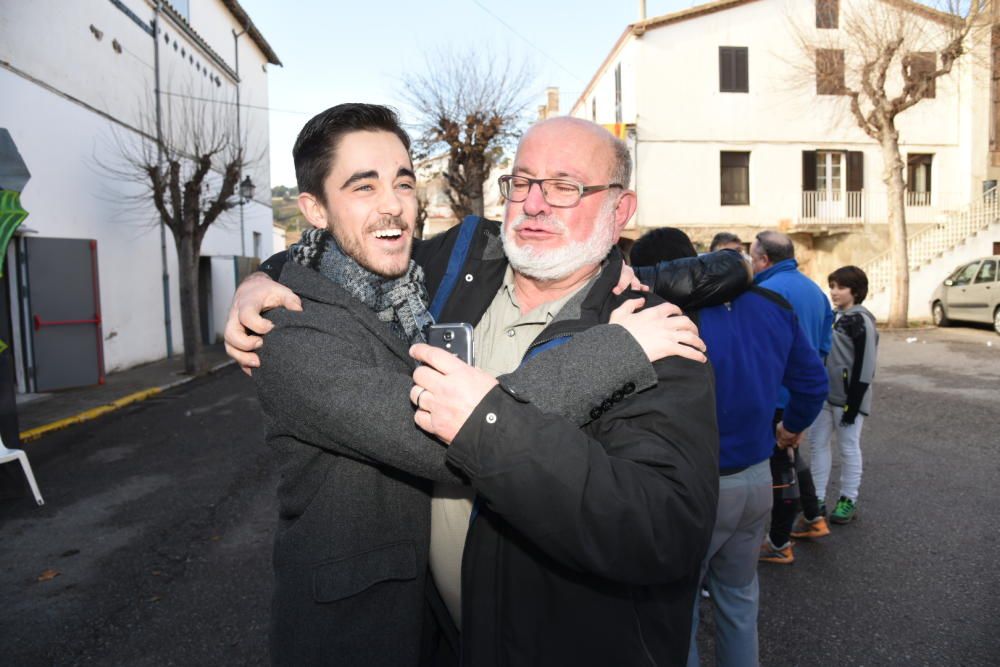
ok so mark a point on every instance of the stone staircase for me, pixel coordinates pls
(930, 243)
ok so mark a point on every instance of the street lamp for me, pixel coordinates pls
(246, 194)
(247, 188)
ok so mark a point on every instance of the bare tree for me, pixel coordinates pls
(471, 105)
(188, 167)
(884, 59)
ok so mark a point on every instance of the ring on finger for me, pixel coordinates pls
(419, 394)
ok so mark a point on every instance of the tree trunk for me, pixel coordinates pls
(892, 175)
(476, 179)
(187, 270)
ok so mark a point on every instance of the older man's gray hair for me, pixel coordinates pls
(777, 246)
(621, 171)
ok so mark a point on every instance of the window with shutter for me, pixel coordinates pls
(735, 178)
(918, 179)
(734, 69)
(618, 93)
(829, 72)
(923, 64)
(827, 14)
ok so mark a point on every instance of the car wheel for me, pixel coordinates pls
(996, 320)
(939, 316)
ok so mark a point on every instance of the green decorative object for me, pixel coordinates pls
(11, 215)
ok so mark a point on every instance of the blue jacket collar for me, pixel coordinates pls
(780, 267)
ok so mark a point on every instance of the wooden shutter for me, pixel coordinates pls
(855, 171)
(827, 14)
(808, 171)
(733, 69)
(922, 64)
(725, 69)
(829, 72)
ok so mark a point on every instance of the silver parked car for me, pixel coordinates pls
(971, 293)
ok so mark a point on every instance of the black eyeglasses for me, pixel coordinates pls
(557, 192)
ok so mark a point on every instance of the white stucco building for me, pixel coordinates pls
(732, 130)
(78, 79)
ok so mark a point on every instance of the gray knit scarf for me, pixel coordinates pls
(401, 302)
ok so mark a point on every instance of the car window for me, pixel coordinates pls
(964, 276)
(987, 272)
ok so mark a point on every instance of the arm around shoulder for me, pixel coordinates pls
(322, 389)
(631, 498)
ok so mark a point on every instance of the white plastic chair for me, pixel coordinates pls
(7, 455)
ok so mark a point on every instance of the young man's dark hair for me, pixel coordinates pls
(723, 238)
(661, 245)
(316, 144)
(852, 278)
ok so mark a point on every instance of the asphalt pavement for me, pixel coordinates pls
(153, 547)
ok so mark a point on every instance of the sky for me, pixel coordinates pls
(336, 51)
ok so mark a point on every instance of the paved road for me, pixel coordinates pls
(158, 522)
(915, 580)
(158, 519)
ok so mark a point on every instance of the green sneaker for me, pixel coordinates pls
(846, 511)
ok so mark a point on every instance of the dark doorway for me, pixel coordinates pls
(205, 298)
(63, 313)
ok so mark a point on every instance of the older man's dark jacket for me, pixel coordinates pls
(586, 543)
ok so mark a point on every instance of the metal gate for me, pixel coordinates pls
(63, 312)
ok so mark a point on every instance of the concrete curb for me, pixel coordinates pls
(94, 413)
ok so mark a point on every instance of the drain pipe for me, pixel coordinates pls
(167, 324)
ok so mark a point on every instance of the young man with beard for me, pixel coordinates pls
(352, 541)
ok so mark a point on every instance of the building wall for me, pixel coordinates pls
(69, 99)
(603, 91)
(683, 122)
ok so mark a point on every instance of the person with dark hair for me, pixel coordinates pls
(351, 547)
(772, 256)
(851, 369)
(661, 245)
(756, 346)
(726, 240)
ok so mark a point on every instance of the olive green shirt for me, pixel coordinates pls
(500, 341)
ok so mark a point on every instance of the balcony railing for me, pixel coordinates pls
(854, 208)
(832, 207)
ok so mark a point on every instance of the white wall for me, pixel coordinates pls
(69, 196)
(54, 57)
(683, 121)
(603, 90)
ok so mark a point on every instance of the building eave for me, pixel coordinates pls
(244, 20)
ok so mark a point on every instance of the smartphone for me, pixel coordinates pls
(455, 338)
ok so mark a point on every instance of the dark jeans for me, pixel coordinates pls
(793, 486)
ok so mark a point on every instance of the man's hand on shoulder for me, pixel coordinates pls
(786, 438)
(446, 391)
(662, 331)
(255, 295)
(628, 280)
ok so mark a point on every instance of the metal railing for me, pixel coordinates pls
(930, 243)
(832, 207)
(918, 198)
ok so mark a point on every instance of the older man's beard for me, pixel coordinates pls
(558, 263)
